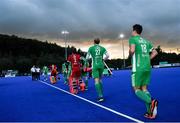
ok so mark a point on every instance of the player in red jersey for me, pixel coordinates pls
(74, 59)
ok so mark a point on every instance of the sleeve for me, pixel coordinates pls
(88, 56)
(105, 55)
(150, 47)
(131, 41)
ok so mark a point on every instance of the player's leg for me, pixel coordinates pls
(84, 75)
(73, 83)
(148, 105)
(100, 76)
(86, 81)
(98, 84)
(46, 76)
(152, 108)
(32, 76)
(73, 74)
(77, 76)
(137, 83)
(65, 77)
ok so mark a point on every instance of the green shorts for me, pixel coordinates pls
(97, 72)
(140, 78)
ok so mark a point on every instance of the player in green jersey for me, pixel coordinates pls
(69, 71)
(45, 71)
(84, 72)
(142, 52)
(65, 71)
(98, 54)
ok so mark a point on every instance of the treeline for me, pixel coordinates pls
(21, 54)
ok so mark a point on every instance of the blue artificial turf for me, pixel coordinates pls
(24, 100)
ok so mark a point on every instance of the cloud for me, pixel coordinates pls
(86, 19)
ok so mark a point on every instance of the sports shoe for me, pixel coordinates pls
(100, 99)
(154, 113)
(154, 104)
(148, 116)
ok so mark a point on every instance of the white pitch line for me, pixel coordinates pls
(101, 106)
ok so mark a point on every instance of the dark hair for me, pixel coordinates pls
(74, 50)
(96, 40)
(138, 28)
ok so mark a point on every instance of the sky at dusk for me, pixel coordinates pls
(87, 19)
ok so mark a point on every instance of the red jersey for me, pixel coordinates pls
(54, 72)
(75, 60)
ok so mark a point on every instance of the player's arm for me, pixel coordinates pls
(106, 55)
(132, 46)
(131, 49)
(88, 56)
(153, 54)
(152, 50)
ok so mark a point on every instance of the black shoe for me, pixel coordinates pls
(100, 99)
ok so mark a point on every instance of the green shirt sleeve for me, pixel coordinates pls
(88, 56)
(131, 41)
(150, 47)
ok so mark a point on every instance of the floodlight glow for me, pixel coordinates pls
(121, 35)
(64, 32)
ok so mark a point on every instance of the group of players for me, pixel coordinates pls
(141, 51)
(74, 70)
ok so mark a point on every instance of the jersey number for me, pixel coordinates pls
(98, 52)
(144, 48)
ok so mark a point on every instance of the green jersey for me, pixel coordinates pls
(45, 70)
(64, 69)
(69, 69)
(97, 52)
(85, 62)
(141, 57)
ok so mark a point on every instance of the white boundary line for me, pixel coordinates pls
(101, 106)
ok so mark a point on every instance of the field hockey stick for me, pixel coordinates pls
(108, 67)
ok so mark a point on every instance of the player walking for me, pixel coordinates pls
(140, 50)
(74, 60)
(98, 54)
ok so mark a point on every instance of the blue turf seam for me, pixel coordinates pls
(101, 106)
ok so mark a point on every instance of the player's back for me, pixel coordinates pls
(97, 53)
(142, 56)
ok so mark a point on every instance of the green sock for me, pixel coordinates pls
(148, 104)
(99, 89)
(147, 93)
(101, 86)
(143, 96)
(86, 83)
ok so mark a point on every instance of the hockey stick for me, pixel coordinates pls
(108, 67)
